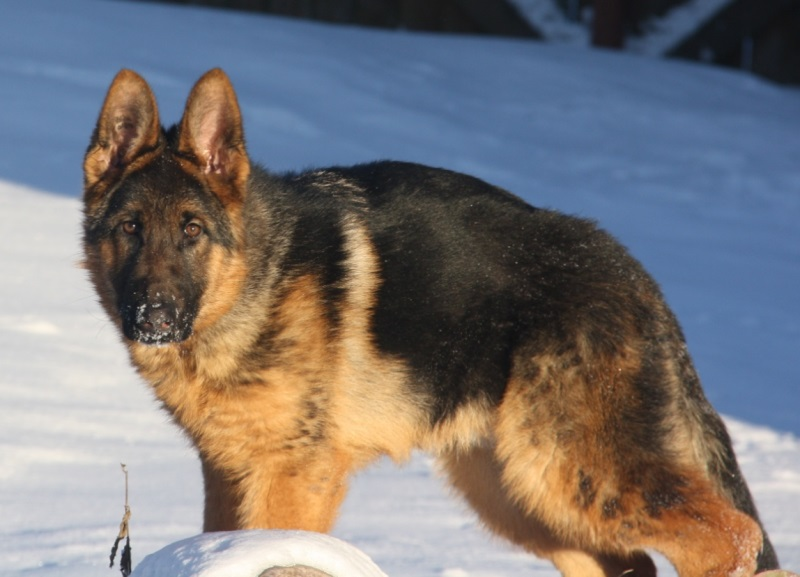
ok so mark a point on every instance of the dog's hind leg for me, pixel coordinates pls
(599, 454)
(477, 476)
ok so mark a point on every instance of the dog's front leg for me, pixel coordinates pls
(293, 492)
(221, 501)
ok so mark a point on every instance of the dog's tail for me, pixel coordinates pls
(721, 461)
(725, 469)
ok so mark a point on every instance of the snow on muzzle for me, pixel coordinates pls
(157, 321)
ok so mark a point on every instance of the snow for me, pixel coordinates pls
(249, 553)
(695, 169)
(659, 34)
(548, 18)
(663, 34)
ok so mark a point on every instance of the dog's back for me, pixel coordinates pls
(562, 341)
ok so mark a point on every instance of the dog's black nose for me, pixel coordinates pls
(156, 323)
(156, 317)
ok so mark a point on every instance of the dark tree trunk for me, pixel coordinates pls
(608, 26)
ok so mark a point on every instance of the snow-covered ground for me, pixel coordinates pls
(249, 553)
(697, 170)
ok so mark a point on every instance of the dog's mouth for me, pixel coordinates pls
(157, 323)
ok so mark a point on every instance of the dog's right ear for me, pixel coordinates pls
(128, 126)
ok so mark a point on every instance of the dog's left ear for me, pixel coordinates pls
(211, 130)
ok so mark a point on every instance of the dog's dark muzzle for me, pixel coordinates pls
(156, 323)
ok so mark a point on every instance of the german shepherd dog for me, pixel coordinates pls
(299, 326)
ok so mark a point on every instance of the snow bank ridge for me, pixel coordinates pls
(258, 554)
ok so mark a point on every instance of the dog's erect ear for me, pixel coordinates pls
(211, 130)
(128, 125)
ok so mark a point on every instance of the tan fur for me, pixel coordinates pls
(250, 444)
(128, 124)
(221, 154)
(538, 462)
(478, 476)
(247, 430)
(372, 409)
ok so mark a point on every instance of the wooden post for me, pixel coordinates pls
(608, 25)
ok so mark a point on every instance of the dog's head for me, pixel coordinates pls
(162, 209)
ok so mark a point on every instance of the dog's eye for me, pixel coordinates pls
(192, 230)
(130, 227)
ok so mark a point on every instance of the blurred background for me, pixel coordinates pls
(761, 36)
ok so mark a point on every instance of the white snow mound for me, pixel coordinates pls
(251, 553)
